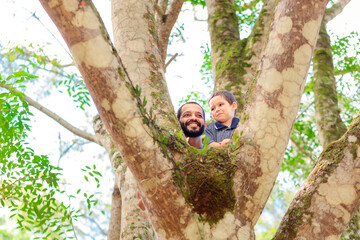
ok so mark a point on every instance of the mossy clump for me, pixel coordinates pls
(206, 181)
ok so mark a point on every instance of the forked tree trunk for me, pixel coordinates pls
(131, 96)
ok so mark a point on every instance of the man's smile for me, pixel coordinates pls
(193, 124)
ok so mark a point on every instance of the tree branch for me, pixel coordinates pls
(115, 217)
(333, 184)
(305, 109)
(171, 59)
(335, 10)
(166, 23)
(300, 149)
(54, 116)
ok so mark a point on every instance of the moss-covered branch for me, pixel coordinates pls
(328, 121)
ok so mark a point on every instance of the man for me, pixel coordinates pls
(192, 121)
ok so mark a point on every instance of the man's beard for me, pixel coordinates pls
(192, 133)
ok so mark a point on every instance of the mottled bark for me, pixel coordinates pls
(269, 117)
(143, 142)
(335, 10)
(227, 51)
(122, 110)
(136, 42)
(115, 215)
(352, 231)
(256, 43)
(326, 201)
(327, 112)
(127, 220)
(328, 120)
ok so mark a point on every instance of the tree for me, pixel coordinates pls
(194, 194)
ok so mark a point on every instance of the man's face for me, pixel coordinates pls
(192, 120)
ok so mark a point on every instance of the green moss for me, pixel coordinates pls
(244, 118)
(328, 162)
(231, 66)
(206, 180)
(121, 74)
(150, 17)
(295, 218)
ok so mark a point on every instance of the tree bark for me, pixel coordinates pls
(328, 121)
(227, 51)
(122, 110)
(327, 200)
(269, 117)
(149, 147)
(115, 216)
(256, 43)
(165, 22)
(127, 220)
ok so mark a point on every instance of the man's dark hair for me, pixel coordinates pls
(180, 108)
(229, 97)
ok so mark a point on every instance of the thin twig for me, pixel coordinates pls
(171, 59)
(33, 14)
(301, 149)
(305, 109)
(158, 10)
(54, 116)
(335, 10)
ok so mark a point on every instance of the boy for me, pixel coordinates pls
(223, 108)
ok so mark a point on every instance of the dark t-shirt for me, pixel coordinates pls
(216, 132)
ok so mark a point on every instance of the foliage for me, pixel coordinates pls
(33, 59)
(177, 33)
(347, 69)
(197, 2)
(8, 235)
(30, 185)
(206, 68)
(29, 182)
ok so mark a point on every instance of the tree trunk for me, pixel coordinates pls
(227, 51)
(115, 216)
(132, 98)
(328, 121)
(326, 201)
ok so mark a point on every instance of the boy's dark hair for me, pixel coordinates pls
(229, 97)
(178, 114)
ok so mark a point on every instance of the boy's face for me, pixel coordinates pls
(192, 120)
(221, 110)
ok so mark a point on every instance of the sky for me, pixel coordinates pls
(20, 26)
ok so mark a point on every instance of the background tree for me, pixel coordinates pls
(267, 73)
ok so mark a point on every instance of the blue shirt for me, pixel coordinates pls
(216, 132)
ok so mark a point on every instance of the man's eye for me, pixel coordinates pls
(199, 115)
